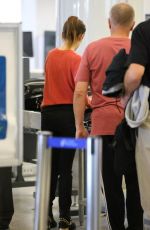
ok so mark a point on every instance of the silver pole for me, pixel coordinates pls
(94, 153)
(42, 181)
(81, 187)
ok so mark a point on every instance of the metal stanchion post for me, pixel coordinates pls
(94, 153)
(42, 181)
(81, 187)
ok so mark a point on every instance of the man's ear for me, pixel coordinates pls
(132, 26)
(109, 23)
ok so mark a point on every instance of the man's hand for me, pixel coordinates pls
(88, 102)
(82, 132)
(124, 100)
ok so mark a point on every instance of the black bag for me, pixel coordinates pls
(113, 85)
(33, 94)
(87, 119)
(124, 147)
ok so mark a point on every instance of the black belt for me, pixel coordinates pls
(57, 107)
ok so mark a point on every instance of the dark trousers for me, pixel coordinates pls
(60, 121)
(6, 199)
(114, 193)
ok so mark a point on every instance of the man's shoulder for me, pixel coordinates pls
(145, 25)
(99, 43)
(108, 42)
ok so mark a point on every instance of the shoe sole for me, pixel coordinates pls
(63, 228)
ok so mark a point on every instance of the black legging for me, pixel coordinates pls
(59, 120)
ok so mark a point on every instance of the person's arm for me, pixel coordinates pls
(138, 59)
(132, 81)
(79, 104)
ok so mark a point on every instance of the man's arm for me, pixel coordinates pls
(132, 81)
(79, 104)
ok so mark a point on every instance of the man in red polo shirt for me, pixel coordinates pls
(107, 114)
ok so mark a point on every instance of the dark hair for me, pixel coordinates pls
(72, 28)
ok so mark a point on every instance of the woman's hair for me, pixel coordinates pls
(72, 28)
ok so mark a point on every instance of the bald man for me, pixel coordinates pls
(107, 114)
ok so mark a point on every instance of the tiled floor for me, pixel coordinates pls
(23, 218)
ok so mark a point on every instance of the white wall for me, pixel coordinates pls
(93, 14)
(138, 6)
(10, 11)
(29, 23)
(97, 25)
(46, 20)
(146, 7)
(38, 16)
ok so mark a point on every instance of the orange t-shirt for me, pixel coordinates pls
(107, 113)
(60, 71)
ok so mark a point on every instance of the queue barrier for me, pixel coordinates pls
(93, 147)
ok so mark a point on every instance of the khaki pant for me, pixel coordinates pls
(143, 164)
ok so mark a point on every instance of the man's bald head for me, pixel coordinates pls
(122, 14)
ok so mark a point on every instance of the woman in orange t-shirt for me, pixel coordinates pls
(57, 114)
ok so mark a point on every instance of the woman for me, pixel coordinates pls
(57, 114)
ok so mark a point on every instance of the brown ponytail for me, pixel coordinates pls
(72, 28)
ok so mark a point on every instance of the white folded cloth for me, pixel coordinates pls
(137, 109)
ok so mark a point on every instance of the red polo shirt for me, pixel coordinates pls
(107, 113)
